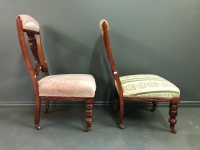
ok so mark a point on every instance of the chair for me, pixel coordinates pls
(141, 87)
(69, 87)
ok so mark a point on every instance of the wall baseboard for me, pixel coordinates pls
(100, 103)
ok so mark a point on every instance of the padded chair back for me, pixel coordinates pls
(27, 24)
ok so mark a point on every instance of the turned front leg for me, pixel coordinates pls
(173, 107)
(89, 114)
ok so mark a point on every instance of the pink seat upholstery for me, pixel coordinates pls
(68, 85)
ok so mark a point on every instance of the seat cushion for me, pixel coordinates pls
(148, 86)
(67, 85)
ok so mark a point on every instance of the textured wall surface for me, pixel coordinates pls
(158, 37)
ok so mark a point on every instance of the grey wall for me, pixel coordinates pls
(147, 36)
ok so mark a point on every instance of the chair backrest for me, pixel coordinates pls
(104, 28)
(27, 24)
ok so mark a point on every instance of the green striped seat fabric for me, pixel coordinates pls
(148, 86)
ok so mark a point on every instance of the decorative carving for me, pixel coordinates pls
(33, 46)
(173, 107)
(34, 50)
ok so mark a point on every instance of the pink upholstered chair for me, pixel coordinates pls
(141, 87)
(71, 87)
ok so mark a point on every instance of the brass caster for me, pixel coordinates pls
(86, 129)
(37, 127)
(173, 130)
(121, 126)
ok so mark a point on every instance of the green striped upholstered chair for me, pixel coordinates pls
(141, 87)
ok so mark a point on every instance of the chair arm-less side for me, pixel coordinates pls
(141, 87)
(70, 87)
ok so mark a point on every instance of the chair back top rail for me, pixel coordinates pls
(27, 24)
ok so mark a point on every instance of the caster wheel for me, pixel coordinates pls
(173, 130)
(121, 126)
(86, 129)
(37, 127)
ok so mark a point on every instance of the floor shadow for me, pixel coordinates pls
(140, 115)
(71, 116)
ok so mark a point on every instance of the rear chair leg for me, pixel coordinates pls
(89, 114)
(154, 106)
(173, 107)
(121, 114)
(46, 106)
(37, 113)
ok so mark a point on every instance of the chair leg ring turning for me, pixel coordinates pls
(173, 113)
(89, 119)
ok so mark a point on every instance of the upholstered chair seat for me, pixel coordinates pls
(148, 86)
(67, 85)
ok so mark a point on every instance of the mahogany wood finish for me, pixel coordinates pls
(40, 65)
(173, 102)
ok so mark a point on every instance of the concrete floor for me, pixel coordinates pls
(62, 129)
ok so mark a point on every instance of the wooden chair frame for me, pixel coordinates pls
(173, 107)
(34, 39)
